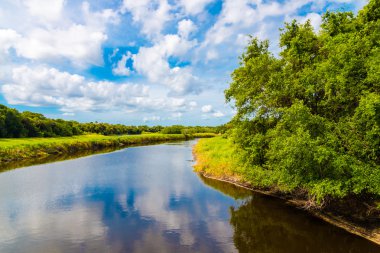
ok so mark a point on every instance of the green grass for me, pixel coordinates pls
(217, 157)
(17, 149)
(18, 142)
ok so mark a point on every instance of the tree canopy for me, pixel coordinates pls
(309, 118)
(14, 124)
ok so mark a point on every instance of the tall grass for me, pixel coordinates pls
(217, 157)
(25, 148)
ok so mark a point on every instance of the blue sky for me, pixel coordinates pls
(154, 62)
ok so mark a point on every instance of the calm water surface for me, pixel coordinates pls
(148, 199)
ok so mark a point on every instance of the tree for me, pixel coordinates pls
(309, 119)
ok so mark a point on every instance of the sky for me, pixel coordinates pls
(136, 62)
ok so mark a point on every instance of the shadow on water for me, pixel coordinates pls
(267, 225)
(62, 157)
(52, 158)
(230, 190)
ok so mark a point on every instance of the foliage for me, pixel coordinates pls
(176, 129)
(14, 124)
(310, 117)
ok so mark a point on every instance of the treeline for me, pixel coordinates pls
(15, 124)
(308, 120)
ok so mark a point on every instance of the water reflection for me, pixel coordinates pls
(51, 158)
(266, 225)
(143, 199)
(147, 199)
(4, 166)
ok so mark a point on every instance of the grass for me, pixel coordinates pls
(19, 142)
(217, 157)
(17, 149)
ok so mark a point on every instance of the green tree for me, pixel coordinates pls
(309, 118)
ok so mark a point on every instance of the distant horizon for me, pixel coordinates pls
(129, 62)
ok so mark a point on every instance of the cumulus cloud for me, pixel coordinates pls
(121, 69)
(151, 14)
(181, 81)
(209, 111)
(152, 62)
(79, 43)
(194, 7)
(44, 86)
(212, 55)
(241, 16)
(218, 114)
(227, 36)
(206, 108)
(46, 10)
(8, 37)
(186, 27)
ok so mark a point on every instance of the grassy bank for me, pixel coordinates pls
(218, 158)
(16, 149)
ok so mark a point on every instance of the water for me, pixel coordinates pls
(148, 199)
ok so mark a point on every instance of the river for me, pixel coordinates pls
(148, 199)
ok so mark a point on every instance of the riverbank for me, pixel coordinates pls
(19, 149)
(217, 159)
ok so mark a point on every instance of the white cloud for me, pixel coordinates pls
(206, 108)
(218, 114)
(226, 38)
(8, 37)
(49, 87)
(181, 81)
(241, 17)
(186, 27)
(46, 10)
(80, 44)
(99, 18)
(193, 7)
(209, 111)
(174, 45)
(212, 55)
(63, 39)
(151, 118)
(152, 62)
(151, 14)
(121, 69)
(43, 86)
